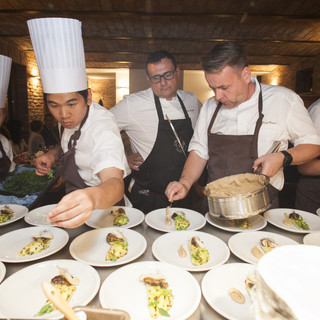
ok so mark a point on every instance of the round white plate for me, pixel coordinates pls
(241, 244)
(102, 218)
(12, 242)
(24, 288)
(312, 239)
(123, 290)
(165, 248)
(92, 247)
(156, 219)
(2, 271)
(19, 212)
(216, 284)
(257, 223)
(38, 216)
(276, 217)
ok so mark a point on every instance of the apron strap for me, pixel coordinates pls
(76, 135)
(214, 116)
(159, 109)
(254, 148)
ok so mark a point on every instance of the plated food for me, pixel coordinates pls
(108, 247)
(33, 243)
(224, 288)
(118, 245)
(41, 241)
(251, 246)
(66, 284)
(124, 290)
(256, 222)
(191, 220)
(176, 248)
(125, 217)
(10, 213)
(159, 296)
(297, 221)
(24, 287)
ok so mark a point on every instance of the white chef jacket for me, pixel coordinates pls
(8, 150)
(314, 112)
(136, 114)
(99, 146)
(285, 119)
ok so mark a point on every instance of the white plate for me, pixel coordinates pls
(19, 212)
(312, 239)
(2, 271)
(165, 248)
(12, 242)
(101, 218)
(216, 284)
(92, 247)
(123, 290)
(241, 244)
(257, 223)
(318, 211)
(38, 216)
(156, 219)
(24, 288)
(276, 216)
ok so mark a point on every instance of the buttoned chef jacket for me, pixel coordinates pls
(99, 146)
(136, 114)
(285, 119)
(8, 150)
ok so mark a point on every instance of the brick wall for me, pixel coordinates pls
(104, 89)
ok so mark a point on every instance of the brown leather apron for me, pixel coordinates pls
(234, 154)
(69, 170)
(5, 163)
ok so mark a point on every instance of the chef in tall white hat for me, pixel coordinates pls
(93, 158)
(6, 156)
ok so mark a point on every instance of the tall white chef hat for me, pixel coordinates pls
(58, 47)
(5, 68)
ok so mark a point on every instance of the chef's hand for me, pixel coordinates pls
(176, 191)
(270, 163)
(43, 163)
(134, 161)
(74, 209)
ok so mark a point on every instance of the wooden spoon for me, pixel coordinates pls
(57, 300)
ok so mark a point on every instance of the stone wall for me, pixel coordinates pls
(104, 89)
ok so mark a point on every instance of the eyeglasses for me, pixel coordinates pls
(166, 76)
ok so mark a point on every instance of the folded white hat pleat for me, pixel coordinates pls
(5, 68)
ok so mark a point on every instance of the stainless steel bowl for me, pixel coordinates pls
(240, 206)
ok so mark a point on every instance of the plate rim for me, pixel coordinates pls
(194, 268)
(142, 217)
(13, 219)
(149, 214)
(98, 230)
(208, 274)
(133, 265)
(264, 224)
(3, 271)
(34, 257)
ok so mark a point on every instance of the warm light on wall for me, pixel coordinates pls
(274, 81)
(34, 72)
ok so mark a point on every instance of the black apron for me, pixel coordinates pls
(234, 154)
(69, 170)
(163, 165)
(5, 163)
(308, 193)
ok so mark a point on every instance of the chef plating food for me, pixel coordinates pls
(93, 158)
(240, 123)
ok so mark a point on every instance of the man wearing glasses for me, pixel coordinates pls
(158, 154)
